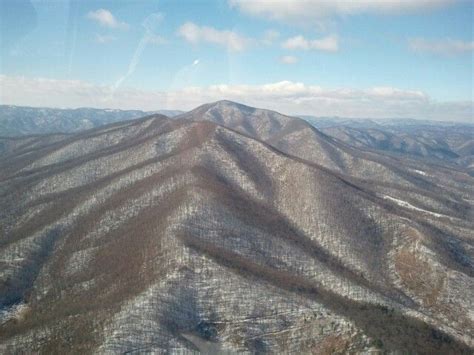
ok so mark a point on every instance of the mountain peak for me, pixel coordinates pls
(226, 103)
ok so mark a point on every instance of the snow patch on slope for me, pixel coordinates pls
(421, 172)
(405, 204)
(16, 311)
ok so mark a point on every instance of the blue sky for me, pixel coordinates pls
(386, 58)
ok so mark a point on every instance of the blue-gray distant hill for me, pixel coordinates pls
(429, 140)
(21, 120)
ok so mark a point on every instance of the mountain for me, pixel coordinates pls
(219, 231)
(19, 120)
(300, 139)
(437, 141)
(392, 142)
(168, 113)
(406, 124)
(326, 122)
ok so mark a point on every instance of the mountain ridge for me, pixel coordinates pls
(175, 234)
(25, 120)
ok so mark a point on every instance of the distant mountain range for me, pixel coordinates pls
(326, 122)
(451, 142)
(231, 229)
(20, 120)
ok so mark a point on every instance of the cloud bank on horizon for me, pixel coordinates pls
(369, 58)
(288, 97)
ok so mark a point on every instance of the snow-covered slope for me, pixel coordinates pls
(182, 235)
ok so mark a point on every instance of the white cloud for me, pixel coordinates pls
(105, 18)
(328, 44)
(196, 34)
(285, 96)
(104, 38)
(288, 59)
(441, 46)
(313, 11)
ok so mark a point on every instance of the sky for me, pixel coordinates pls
(361, 59)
